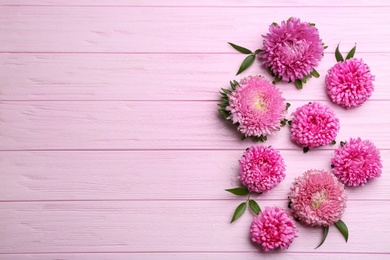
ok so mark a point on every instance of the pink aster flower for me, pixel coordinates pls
(292, 49)
(273, 228)
(349, 83)
(356, 162)
(257, 106)
(317, 198)
(314, 125)
(261, 168)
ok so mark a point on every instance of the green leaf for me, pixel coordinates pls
(240, 191)
(288, 105)
(240, 49)
(326, 231)
(339, 57)
(305, 149)
(246, 63)
(254, 207)
(315, 73)
(239, 211)
(351, 53)
(298, 84)
(257, 51)
(343, 229)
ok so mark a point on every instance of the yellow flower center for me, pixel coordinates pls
(259, 103)
(318, 198)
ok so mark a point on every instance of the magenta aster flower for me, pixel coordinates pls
(273, 228)
(317, 198)
(314, 125)
(292, 49)
(349, 83)
(257, 106)
(356, 162)
(261, 168)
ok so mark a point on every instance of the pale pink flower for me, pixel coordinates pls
(292, 49)
(317, 198)
(356, 162)
(273, 228)
(314, 125)
(257, 106)
(261, 168)
(349, 83)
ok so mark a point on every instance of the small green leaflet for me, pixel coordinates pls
(343, 229)
(326, 230)
(254, 207)
(239, 211)
(351, 53)
(246, 63)
(240, 49)
(240, 191)
(339, 57)
(298, 84)
(315, 73)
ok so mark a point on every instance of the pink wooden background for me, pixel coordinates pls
(111, 146)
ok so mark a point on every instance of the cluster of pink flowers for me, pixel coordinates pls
(291, 52)
(273, 228)
(356, 162)
(261, 169)
(292, 49)
(314, 125)
(257, 106)
(349, 83)
(317, 198)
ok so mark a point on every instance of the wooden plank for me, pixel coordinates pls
(186, 175)
(156, 125)
(192, 256)
(128, 76)
(171, 226)
(192, 3)
(143, 29)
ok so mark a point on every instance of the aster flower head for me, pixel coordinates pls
(356, 162)
(291, 50)
(314, 125)
(317, 198)
(255, 105)
(273, 228)
(349, 83)
(261, 168)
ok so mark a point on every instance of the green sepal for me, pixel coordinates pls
(333, 142)
(342, 144)
(304, 80)
(261, 138)
(351, 53)
(289, 122)
(288, 105)
(224, 112)
(312, 24)
(343, 229)
(226, 91)
(240, 49)
(298, 84)
(278, 79)
(240, 191)
(246, 63)
(315, 73)
(325, 234)
(238, 212)
(306, 149)
(254, 207)
(284, 122)
(258, 51)
(338, 55)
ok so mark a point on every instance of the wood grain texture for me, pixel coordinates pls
(170, 226)
(187, 175)
(142, 29)
(193, 3)
(157, 125)
(192, 256)
(141, 77)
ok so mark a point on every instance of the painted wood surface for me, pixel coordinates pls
(111, 146)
